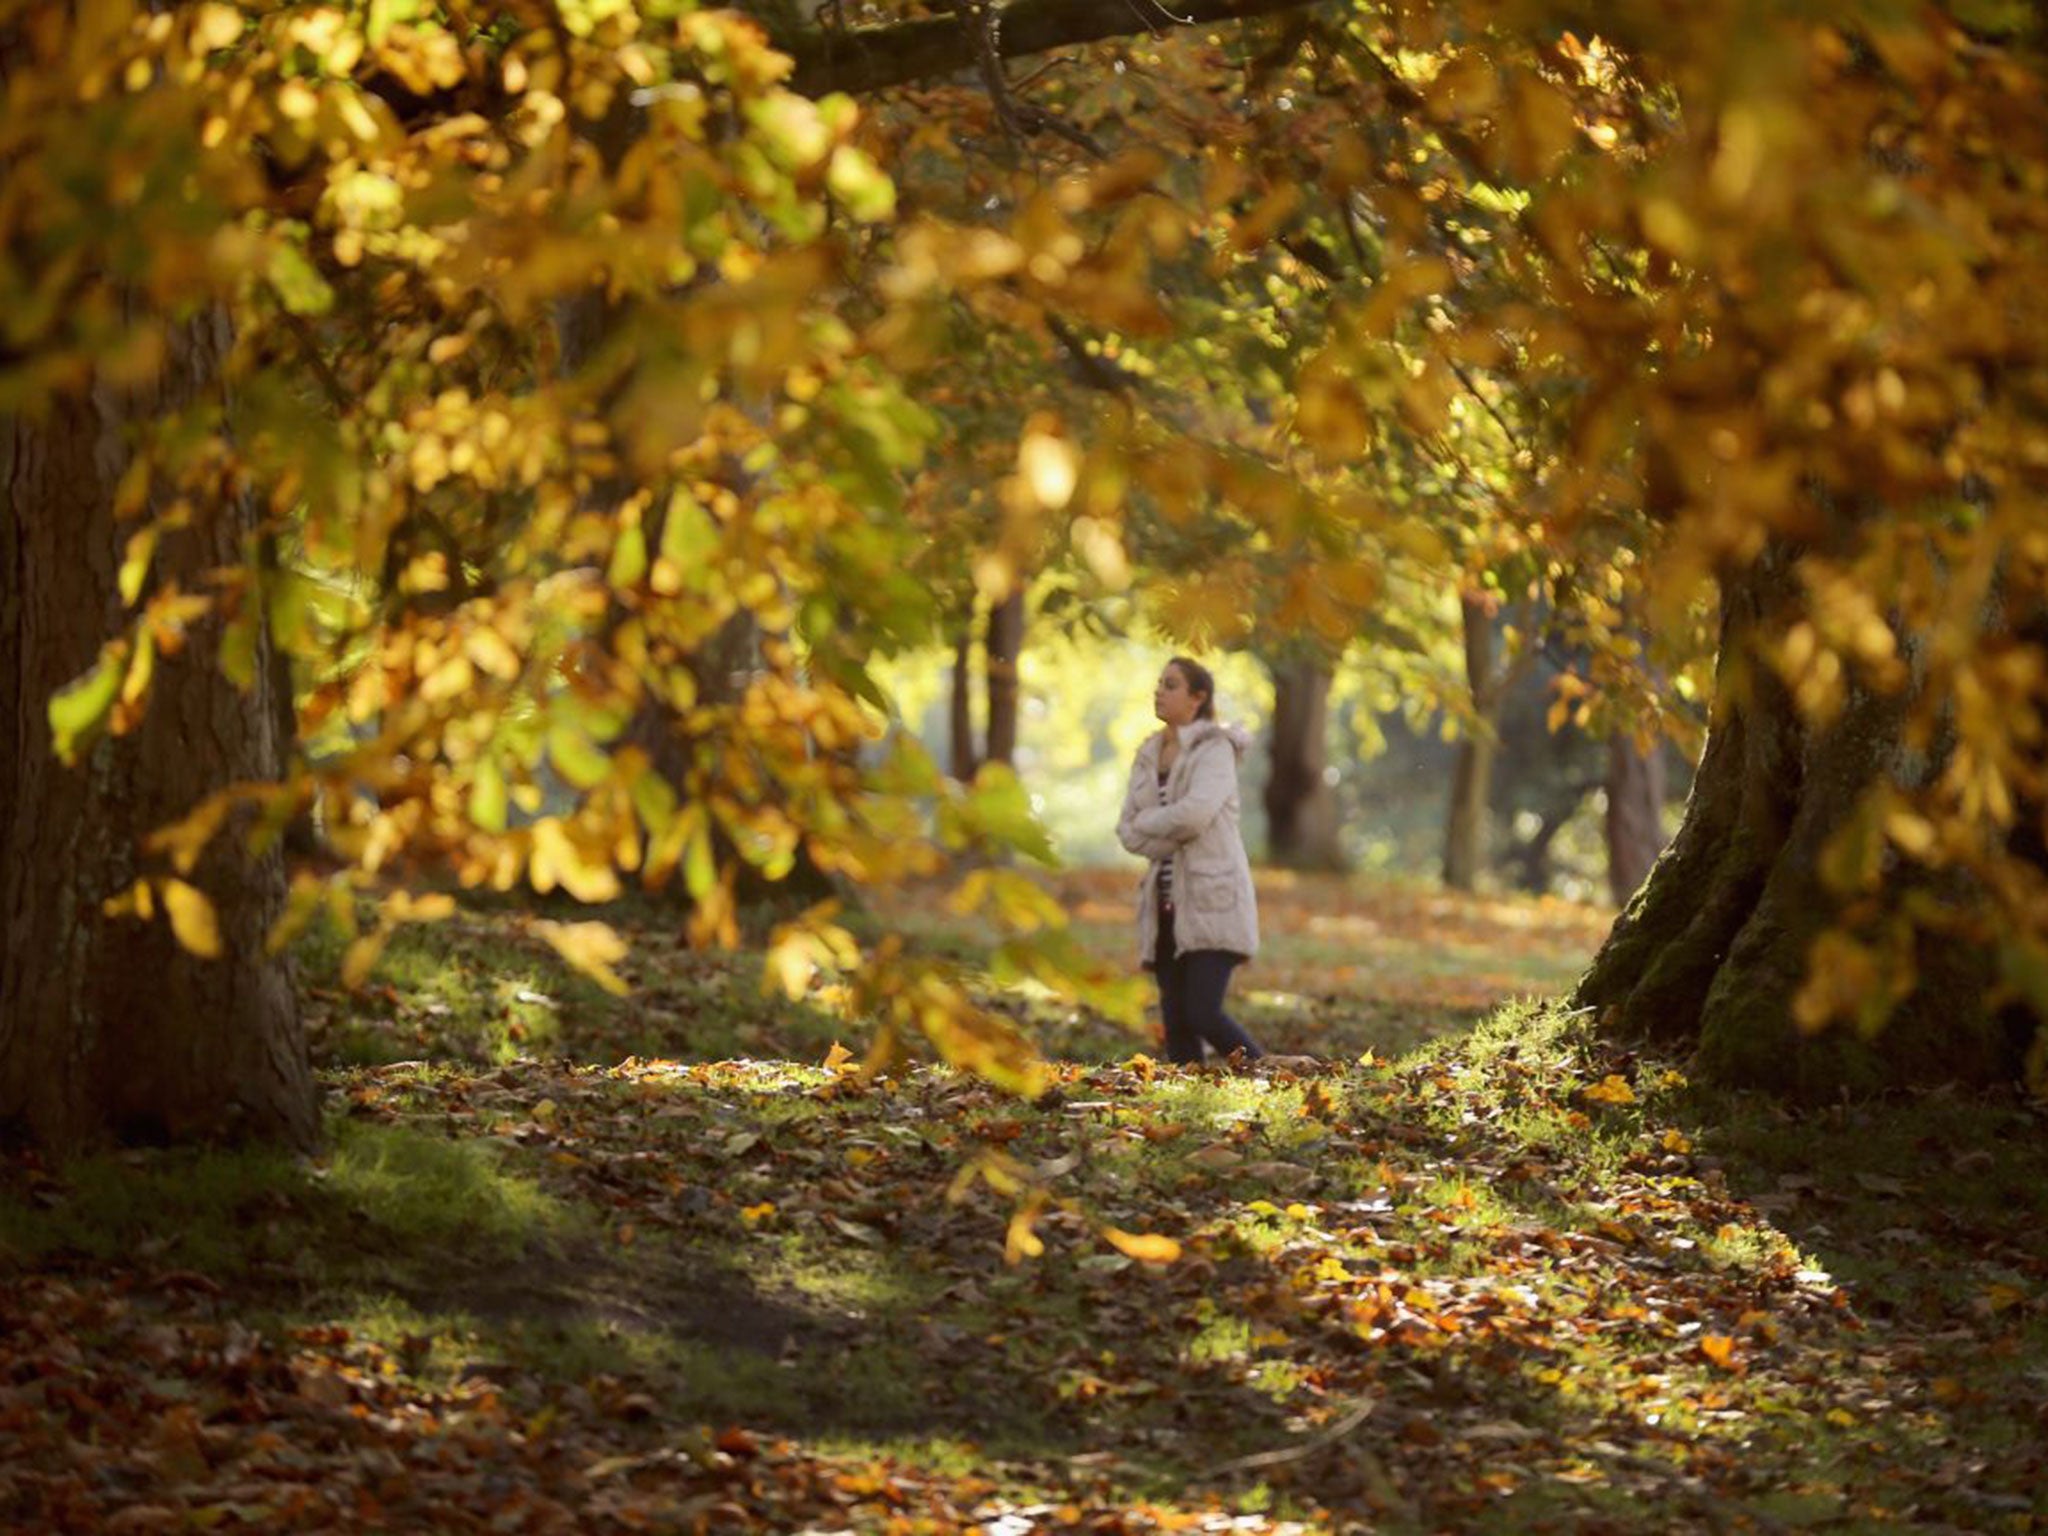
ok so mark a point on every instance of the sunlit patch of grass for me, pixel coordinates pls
(1211, 1099)
(431, 1348)
(1749, 1247)
(415, 1188)
(853, 1282)
(464, 990)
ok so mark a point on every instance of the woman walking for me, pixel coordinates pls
(1198, 916)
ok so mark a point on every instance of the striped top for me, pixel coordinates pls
(1165, 865)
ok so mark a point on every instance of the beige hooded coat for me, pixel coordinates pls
(1214, 905)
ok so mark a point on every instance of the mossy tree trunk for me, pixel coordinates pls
(1714, 947)
(109, 1030)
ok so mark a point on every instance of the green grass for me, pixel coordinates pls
(242, 1216)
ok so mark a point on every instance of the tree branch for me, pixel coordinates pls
(859, 60)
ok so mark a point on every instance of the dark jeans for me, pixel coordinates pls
(1191, 988)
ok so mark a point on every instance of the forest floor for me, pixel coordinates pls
(670, 1263)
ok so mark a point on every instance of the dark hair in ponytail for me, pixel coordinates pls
(1197, 677)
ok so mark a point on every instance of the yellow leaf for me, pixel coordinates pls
(215, 26)
(361, 957)
(135, 564)
(1612, 1089)
(136, 901)
(492, 652)
(1720, 1349)
(1051, 467)
(836, 1058)
(449, 680)
(192, 918)
(1999, 1296)
(788, 968)
(1267, 219)
(1020, 1242)
(1147, 1247)
(404, 907)
(591, 948)
(556, 860)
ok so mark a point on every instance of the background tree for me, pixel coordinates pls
(1302, 819)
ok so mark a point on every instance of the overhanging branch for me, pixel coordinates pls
(859, 60)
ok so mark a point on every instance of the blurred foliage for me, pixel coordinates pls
(1298, 329)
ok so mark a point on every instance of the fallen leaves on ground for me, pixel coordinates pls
(1516, 1281)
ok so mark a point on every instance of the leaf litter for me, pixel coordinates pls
(1513, 1281)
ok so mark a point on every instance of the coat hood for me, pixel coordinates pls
(1198, 731)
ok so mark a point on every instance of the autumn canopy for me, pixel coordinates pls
(508, 438)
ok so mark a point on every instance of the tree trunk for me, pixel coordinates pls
(1465, 835)
(1472, 778)
(1005, 650)
(960, 713)
(1714, 947)
(1635, 815)
(1301, 806)
(108, 1028)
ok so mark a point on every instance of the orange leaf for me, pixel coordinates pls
(1146, 1247)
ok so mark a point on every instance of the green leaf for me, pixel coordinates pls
(135, 564)
(385, 14)
(578, 761)
(860, 185)
(299, 285)
(78, 711)
(688, 536)
(700, 865)
(629, 558)
(1000, 808)
(487, 795)
(654, 798)
(238, 644)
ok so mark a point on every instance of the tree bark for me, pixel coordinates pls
(1465, 840)
(1712, 950)
(1472, 777)
(109, 1029)
(1002, 649)
(1635, 812)
(960, 710)
(1302, 823)
(862, 59)
(1005, 649)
